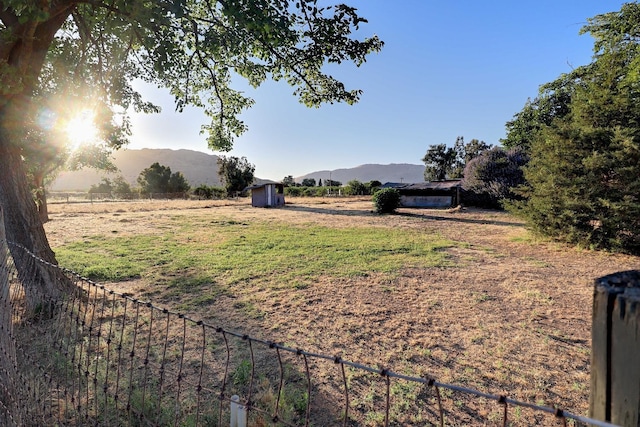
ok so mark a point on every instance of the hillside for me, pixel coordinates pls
(201, 168)
(395, 172)
(198, 168)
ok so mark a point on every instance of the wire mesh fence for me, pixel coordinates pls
(98, 357)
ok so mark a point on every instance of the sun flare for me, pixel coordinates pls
(81, 129)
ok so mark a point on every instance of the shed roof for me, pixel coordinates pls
(264, 184)
(430, 185)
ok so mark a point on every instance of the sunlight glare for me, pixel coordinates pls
(81, 129)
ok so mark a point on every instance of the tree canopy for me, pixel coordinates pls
(584, 173)
(158, 178)
(59, 58)
(443, 162)
(236, 173)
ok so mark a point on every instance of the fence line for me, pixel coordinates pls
(100, 357)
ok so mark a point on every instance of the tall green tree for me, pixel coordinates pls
(288, 181)
(443, 162)
(440, 162)
(192, 47)
(584, 174)
(158, 178)
(236, 173)
(309, 182)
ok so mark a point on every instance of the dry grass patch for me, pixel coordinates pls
(505, 314)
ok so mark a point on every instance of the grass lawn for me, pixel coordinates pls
(467, 297)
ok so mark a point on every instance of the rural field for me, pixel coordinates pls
(467, 297)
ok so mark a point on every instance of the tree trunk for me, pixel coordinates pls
(41, 196)
(23, 225)
(8, 361)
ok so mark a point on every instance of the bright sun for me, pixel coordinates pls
(81, 129)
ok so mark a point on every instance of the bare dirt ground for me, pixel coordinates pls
(511, 315)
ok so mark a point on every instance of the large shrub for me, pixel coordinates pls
(386, 200)
(490, 178)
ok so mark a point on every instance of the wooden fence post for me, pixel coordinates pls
(615, 353)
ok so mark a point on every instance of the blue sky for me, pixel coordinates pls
(449, 68)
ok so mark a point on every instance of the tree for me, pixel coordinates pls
(583, 179)
(236, 173)
(288, 181)
(192, 47)
(120, 186)
(159, 179)
(155, 179)
(372, 186)
(105, 187)
(492, 176)
(309, 182)
(552, 103)
(178, 183)
(355, 188)
(440, 162)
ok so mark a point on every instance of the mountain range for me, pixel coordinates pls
(201, 168)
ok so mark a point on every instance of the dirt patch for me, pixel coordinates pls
(510, 316)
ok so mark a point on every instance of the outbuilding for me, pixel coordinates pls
(266, 195)
(432, 194)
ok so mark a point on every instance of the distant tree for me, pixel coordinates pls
(373, 186)
(288, 181)
(104, 187)
(236, 173)
(356, 188)
(158, 178)
(309, 182)
(470, 150)
(493, 176)
(107, 186)
(440, 162)
(121, 186)
(178, 183)
(154, 179)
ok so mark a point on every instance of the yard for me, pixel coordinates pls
(467, 297)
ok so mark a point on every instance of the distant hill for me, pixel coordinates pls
(395, 172)
(198, 168)
(201, 168)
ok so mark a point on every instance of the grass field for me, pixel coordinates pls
(467, 297)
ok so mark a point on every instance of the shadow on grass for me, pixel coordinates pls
(458, 218)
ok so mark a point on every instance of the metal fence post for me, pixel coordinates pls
(615, 354)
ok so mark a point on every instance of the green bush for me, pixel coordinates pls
(386, 200)
(293, 191)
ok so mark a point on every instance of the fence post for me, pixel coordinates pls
(615, 354)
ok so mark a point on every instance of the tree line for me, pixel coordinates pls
(235, 173)
(570, 162)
